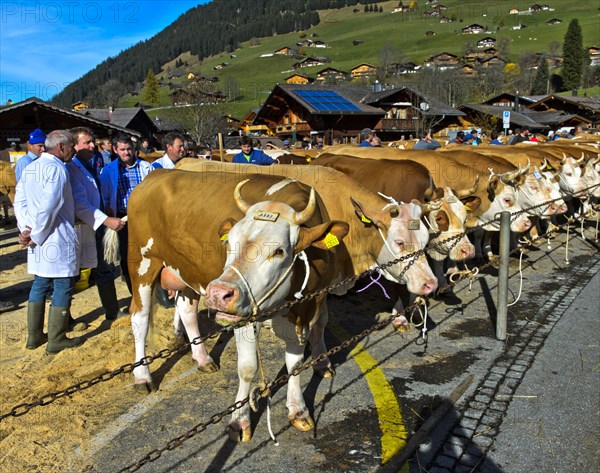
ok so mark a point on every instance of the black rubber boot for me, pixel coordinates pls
(108, 299)
(35, 325)
(58, 319)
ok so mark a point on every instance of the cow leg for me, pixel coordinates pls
(298, 414)
(187, 308)
(245, 338)
(437, 266)
(400, 323)
(139, 325)
(317, 342)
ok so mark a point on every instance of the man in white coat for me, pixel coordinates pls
(45, 213)
(88, 210)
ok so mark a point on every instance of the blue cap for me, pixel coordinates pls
(36, 136)
(469, 137)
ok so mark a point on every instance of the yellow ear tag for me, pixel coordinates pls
(224, 237)
(308, 159)
(331, 240)
(467, 208)
(365, 219)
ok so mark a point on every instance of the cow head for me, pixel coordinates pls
(503, 198)
(570, 174)
(402, 233)
(447, 219)
(591, 177)
(262, 252)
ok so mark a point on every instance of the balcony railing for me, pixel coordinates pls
(398, 124)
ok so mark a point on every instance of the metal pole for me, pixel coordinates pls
(501, 304)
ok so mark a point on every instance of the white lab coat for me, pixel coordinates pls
(44, 202)
(87, 202)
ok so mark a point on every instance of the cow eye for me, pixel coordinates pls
(278, 253)
(400, 244)
(394, 213)
(508, 201)
(438, 218)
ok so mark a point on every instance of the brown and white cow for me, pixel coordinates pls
(184, 228)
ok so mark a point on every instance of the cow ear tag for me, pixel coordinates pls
(414, 224)
(365, 219)
(224, 237)
(267, 216)
(537, 175)
(451, 199)
(331, 240)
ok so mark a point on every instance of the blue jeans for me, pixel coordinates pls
(60, 289)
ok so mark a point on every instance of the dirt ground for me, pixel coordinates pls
(53, 438)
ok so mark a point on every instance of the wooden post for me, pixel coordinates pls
(502, 302)
(221, 147)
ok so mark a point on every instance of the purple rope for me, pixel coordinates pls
(375, 281)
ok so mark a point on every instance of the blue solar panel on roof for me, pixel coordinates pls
(326, 100)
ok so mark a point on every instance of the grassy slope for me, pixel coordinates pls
(404, 32)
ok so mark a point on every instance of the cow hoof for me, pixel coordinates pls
(208, 368)
(327, 372)
(239, 435)
(144, 387)
(303, 425)
(400, 324)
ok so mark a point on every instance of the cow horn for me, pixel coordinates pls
(468, 192)
(580, 160)
(431, 206)
(526, 168)
(304, 215)
(239, 200)
(564, 159)
(510, 175)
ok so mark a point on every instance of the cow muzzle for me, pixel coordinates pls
(224, 297)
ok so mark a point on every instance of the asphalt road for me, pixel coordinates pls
(388, 384)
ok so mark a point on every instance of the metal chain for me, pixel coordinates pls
(24, 408)
(155, 454)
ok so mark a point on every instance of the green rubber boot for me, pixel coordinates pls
(35, 325)
(58, 320)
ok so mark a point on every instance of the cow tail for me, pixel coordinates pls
(110, 241)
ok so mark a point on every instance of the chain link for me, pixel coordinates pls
(411, 258)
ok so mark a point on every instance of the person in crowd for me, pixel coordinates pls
(519, 136)
(174, 151)
(459, 139)
(376, 142)
(85, 184)
(469, 139)
(336, 141)
(35, 148)
(249, 155)
(117, 180)
(106, 151)
(366, 136)
(476, 139)
(496, 139)
(145, 147)
(45, 212)
(426, 142)
(286, 144)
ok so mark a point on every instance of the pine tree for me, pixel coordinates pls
(542, 79)
(151, 92)
(572, 68)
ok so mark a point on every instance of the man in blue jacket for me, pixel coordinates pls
(117, 180)
(250, 155)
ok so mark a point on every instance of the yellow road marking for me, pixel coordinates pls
(393, 430)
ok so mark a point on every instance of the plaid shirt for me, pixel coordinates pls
(129, 177)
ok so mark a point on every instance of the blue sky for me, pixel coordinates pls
(45, 45)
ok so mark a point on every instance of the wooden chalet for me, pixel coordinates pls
(363, 71)
(330, 74)
(18, 119)
(442, 61)
(285, 51)
(494, 61)
(486, 42)
(594, 53)
(131, 118)
(293, 111)
(80, 106)
(297, 78)
(308, 62)
(586, 107)
(553, 21)
(473, 29)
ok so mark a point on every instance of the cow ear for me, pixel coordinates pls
(225, 228)
(471, 203)
(367, 216)
(324, 236)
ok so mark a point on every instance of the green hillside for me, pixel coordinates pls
(404, 32)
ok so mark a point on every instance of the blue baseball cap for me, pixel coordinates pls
(36, 136)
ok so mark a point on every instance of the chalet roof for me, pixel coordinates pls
(352, 94)
(435, 106)
(120, 116)
(592, 103)
(522, 98)
(516, 118)
(94, 121)
(554, 119)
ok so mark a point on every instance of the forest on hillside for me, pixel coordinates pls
(220, 25)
